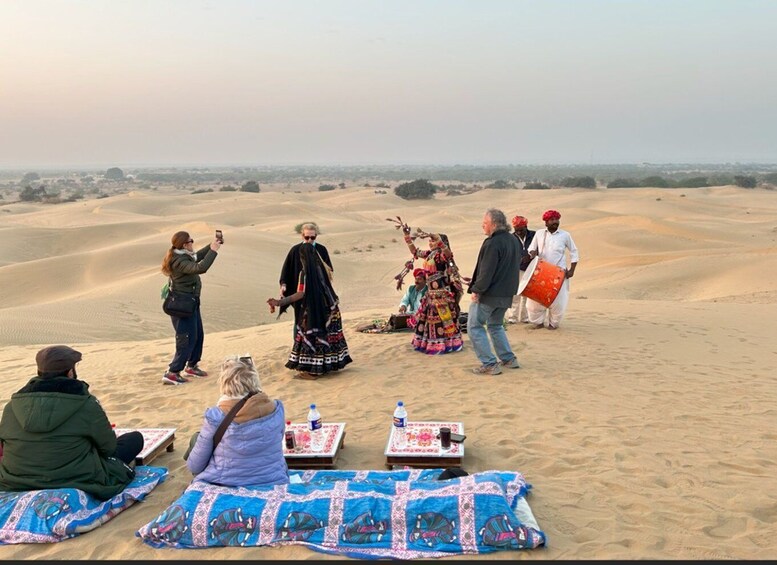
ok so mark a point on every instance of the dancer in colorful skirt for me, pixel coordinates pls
(437, 327)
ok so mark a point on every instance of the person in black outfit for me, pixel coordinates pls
(292, 265)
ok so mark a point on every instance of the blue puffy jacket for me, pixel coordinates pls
(250, 453)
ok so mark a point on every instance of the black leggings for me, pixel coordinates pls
(128, 446)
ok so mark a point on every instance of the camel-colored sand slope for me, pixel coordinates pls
(646, 423)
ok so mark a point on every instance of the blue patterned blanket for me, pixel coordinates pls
(51, 515)
(405, 514)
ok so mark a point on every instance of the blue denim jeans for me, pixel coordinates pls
(484, 321)
(189, 338)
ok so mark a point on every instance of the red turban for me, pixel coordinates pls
(520, 222)
(551, 215)
(419, 272)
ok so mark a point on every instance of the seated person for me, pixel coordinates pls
(412, 298)
(251, 451)
(56, 435)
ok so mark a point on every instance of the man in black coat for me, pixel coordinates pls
(292, 266)
(493, 285)
(524, 235)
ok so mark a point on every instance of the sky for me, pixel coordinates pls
(99, 83)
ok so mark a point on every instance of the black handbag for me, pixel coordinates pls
(179, 304)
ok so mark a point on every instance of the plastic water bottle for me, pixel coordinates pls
(400, 424)
(315, 429)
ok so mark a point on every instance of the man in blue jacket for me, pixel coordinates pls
(493, 285)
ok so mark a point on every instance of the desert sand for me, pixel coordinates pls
(646, 423)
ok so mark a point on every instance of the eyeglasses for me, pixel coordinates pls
(309, 237)
(190, 241)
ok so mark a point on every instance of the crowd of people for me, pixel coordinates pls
(55, 434)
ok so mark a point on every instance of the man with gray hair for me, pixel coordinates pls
(493, 285)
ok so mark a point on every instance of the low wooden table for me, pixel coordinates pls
(423, 447)
(155, 441)
(304, 458)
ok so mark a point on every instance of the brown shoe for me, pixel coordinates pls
(305, 376)
(537, 326)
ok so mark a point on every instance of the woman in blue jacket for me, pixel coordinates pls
(251, 451)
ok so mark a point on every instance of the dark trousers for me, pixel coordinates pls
(188, 341)
(128, 446)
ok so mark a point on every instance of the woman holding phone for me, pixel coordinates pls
(184, 266)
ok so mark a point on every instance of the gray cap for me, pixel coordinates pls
(57, 359)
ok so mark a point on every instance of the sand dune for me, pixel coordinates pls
(645, 424)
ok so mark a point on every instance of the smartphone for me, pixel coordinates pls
(457, 438)
(219, 236)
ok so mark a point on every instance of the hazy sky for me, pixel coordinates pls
(221, 82)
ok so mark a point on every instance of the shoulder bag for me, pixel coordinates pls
(178, 304)
(221, 430)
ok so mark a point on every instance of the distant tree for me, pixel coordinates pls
(114, 173)
(341, 185)
(30, 177)
(250, 186)
(201, 190)
(771, 178)
(88, 179)
(624, 183)
(419, 189)
(745, 181)
(536, 185)
(500, 184)
(579, 182)
(29, 194)
(692, 182)
(228, 188)
(656, 181)
(326, 187)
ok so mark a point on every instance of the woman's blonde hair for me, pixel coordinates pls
(179, 239)
(238, 377)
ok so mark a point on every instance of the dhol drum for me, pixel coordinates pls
(541, 281)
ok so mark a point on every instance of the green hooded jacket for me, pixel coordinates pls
(56, 435)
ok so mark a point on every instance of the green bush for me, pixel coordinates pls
(658, 182)
(536, 185)
(500, 184)
(745, 181)
(228, 188)
(692, 182)
(624, 183)
(326, 187)
(771, 178)
(416, 190)
(579, 182)
(250, 186)
(202, 190)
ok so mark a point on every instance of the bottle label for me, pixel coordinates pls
(315, 424)
(400, 422)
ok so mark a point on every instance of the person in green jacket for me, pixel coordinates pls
(55, 434)
(184, 266)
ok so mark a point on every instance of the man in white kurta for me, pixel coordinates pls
(553, 245)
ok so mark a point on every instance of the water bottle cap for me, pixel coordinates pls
(312, 406)
(400, 403)
(288, 422)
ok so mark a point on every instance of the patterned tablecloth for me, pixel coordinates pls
(333, 434)
(423, 441)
